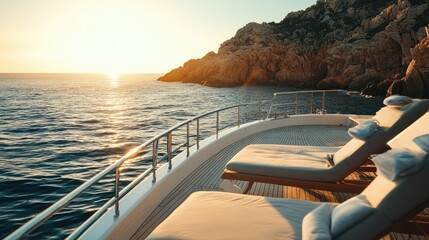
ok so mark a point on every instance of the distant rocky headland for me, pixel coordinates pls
(378, 47)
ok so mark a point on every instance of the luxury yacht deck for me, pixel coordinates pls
(207, 176)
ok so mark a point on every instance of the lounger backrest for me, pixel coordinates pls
(392, 121)
(394, 200)
(407, 137)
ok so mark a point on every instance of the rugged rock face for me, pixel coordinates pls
(416, 80)
(351, 44)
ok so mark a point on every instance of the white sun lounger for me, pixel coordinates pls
(306, 166)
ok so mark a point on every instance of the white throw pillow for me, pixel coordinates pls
(397, 101)
(423, 142)
(364, 130)
(316, 224)
(398, 163)
(349, 213)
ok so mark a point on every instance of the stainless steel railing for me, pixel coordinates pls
(34, 223)
(292, 101)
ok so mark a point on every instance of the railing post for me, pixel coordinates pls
(217, 124)
(187, 139)
(260, 109)
(154, 159)
(238, 116)
(311, 105)
(198, 133)
(169, 148)
(117, 173)
(323, 102)
(296, 103)
(271, 105)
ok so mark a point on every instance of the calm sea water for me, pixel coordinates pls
(58, 130)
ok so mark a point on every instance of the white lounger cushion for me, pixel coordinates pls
(398, 163)
(219, 215)
(307, 162)
(408, 138)
(349, 213)
(364, 130)
(423, 142)
(397, 100)
(397, 118)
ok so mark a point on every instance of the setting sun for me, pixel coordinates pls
(113, 76)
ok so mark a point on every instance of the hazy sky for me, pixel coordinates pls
(136, 36)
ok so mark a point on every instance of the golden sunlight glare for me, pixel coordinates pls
(113, 77)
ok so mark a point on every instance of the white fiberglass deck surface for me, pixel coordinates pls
(207, 176)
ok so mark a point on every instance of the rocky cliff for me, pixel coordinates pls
(350, 44)
(415, 83)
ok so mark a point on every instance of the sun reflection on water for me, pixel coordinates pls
(114, 79)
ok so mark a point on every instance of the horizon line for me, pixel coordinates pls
(128, 73)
